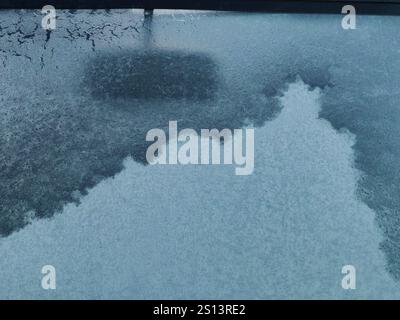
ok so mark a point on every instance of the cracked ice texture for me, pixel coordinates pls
(59, 138)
